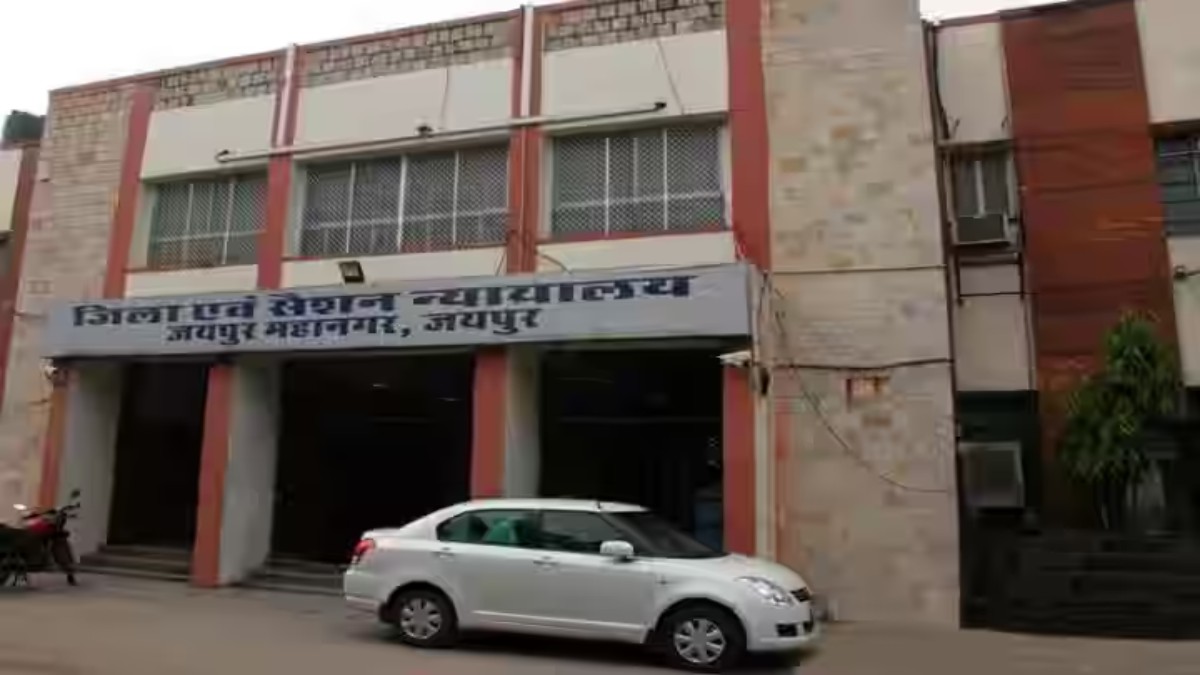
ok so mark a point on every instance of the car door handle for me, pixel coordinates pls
(444, 554)
(546, 563)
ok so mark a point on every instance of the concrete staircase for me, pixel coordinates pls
(142, 562)
(298, 576)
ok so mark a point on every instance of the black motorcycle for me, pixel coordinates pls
(38, 544)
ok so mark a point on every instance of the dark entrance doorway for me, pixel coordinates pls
(636, 426)
(366, 443)
(157, 467)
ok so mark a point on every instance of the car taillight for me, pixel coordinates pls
(362, 548)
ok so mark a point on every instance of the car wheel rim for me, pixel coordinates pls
(699, 641)
(420, 619)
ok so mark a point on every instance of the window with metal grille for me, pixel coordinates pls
(1179, 180)
(983, 184)
(424, 202)
(658, 180)
(207, 222)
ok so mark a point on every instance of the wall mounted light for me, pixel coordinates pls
(352, 272)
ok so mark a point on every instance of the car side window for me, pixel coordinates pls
(494, 528)
(575, 531)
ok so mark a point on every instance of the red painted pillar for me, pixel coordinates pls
(750, 201)
(214, 460)
(738, 439)
(125, 215)
(490, 403)
(52, 443)
(272, 243)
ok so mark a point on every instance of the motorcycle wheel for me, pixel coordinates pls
(64, 558)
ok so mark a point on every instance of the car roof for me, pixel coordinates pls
(592, 505)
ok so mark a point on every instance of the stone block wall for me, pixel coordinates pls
(431, 47)
(66, 254)
(224, 82)
(867, 503)
(613, 21)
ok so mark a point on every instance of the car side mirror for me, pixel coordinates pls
(621, 551)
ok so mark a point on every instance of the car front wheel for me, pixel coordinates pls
(424, 618)
(703, 638)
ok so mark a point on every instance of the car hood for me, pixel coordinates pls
(734, 566)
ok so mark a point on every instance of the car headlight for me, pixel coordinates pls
(771, 592)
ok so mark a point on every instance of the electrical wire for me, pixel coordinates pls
(815, 403)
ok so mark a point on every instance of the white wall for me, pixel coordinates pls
(991, 332)
(634, 74)
(193, 281)
(522, 430)
(250, 476)
(455, 98)
(1171, 57)
(972, 82)
(186, 140)
(678, 250)
(1185, 252)
(10, 171)
(89, 449)
(439, 265)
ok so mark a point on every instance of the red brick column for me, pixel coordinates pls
(214, 460)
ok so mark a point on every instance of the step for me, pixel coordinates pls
(133, 562)
(131, 573)
(299, 578)
(138, 551)
(260, 584)
(305, 566)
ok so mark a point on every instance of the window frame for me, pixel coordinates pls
(549, 173)
(405, 157)
(151, 191)
(1179, 227)
(978, 157)
(437, 530)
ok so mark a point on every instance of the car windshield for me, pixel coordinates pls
(663, 539)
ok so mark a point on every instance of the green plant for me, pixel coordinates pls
(1102, 447)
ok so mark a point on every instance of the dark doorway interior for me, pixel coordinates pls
(368, 443)
(157, 472)
(636, 426)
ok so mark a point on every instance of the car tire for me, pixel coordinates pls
(702, 638)
(424, 617)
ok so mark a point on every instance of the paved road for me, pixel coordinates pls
(121, 627)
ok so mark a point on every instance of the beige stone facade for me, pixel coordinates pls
(65, 257)
(864, 390)
(615, 21)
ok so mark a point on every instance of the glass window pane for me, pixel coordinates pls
(694, 160)
(574, 531)
(166, 254)
(249, 204)
(170, 211)
(966, 201)
(483, 179)
(579, 170)
(1184, 216)
(204, 251)
(995, 182)
(377, 193)
(579, 220)
(430, 189)
(205, 202)
(622, 167)
(648, 148)
(696, 213)
(327, 197)
(495, 528)
(241, 249)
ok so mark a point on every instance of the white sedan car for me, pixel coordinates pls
(577, 569)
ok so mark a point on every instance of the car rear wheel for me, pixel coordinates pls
(702, 638)
(424, 618)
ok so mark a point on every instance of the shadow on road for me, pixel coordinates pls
(586, 652)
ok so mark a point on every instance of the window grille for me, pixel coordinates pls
(424, 202)
(983, 185)
(1179, 181)
(659, 180)
(207, 222)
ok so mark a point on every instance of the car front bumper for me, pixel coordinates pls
(782, 629)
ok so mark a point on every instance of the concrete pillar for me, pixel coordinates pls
(237, 471)
(88, 450)
(505, 450)
(523, 449)
(250, 476)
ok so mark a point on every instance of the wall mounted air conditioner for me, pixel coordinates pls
(993, 476)
(987, 230)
